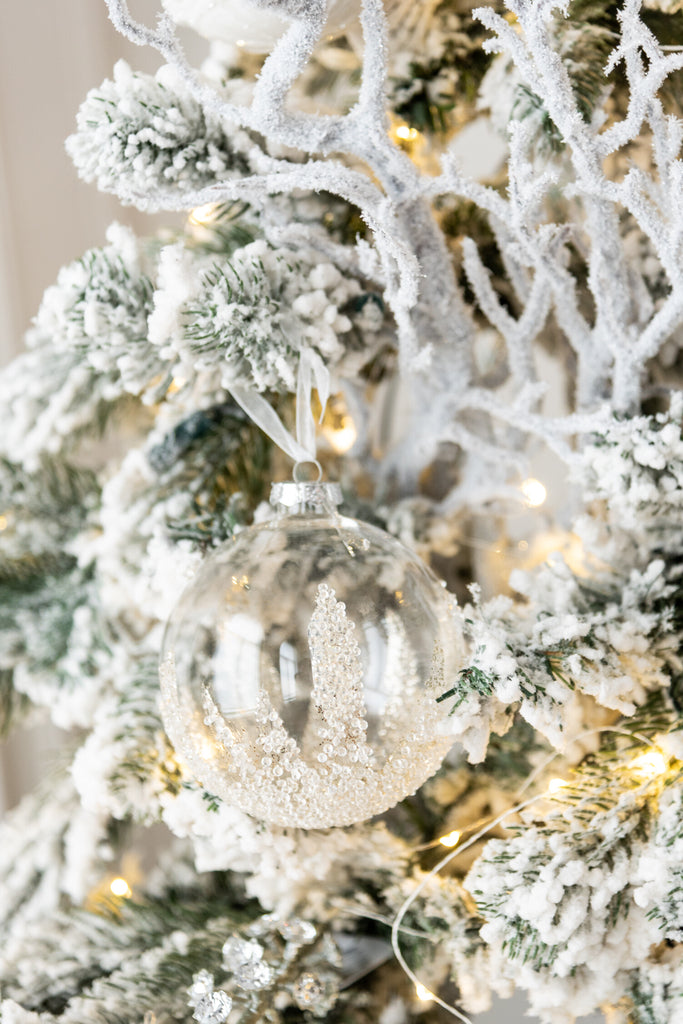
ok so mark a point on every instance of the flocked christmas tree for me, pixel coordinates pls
(467, 331)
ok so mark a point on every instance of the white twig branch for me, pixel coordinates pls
(517, 333)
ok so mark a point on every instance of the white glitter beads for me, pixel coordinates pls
(237, 952)
(213, 1009)
(301, 667)
(210, 1007)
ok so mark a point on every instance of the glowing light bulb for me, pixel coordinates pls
(3, 523)
(207, 749)
(176, 384)
(406, 134)
(120, 887)
(338, 428)
(344, 437)
(452, 839)
(423, 993)
(534, 492)
(648, 765)
(203, 215)
(556, 785)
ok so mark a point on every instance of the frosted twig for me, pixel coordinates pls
(552, 431)
(165, 42)
(371, 99)
(517, 333)
(433, 325)
(643, 84)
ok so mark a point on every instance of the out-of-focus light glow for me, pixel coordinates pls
(203, 215)
(337, 426)
(534, 492)
(556, 785)
(648, 765)
(452, 839)
(120, 887)
(3, 523)
(406, 134)
(343, 437)
(423, 993)
(207, 749)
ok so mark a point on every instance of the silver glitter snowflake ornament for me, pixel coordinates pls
(301, 668)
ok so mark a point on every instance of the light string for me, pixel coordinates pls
(397, 925)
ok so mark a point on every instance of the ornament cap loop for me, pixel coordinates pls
(306, 496)
(300, 475)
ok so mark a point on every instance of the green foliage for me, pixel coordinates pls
(433, 85)
(241, 312)
(140, 954)
(41, 510)
(220, 462)
(50, 852)
(590, 829)
(470, 680)
(511, 758)
(655, 1000)
(108, 286)
(227, 229)
(99, 308)
(41, 585)
(584, 40)
(137, 133)
(144, 765)
(37, 615)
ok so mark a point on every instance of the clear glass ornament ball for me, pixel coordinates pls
(301, 667)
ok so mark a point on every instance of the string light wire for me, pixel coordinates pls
(397, 925)
(408, 902)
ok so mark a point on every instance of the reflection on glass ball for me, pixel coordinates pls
(301, 667)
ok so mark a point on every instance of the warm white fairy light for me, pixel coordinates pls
(649, 765)
(423, 994)
(120, 887)
(555, 786)
(203, 215)
(406, 134)
(534, 492)
(344, 437)
(338, 428)
(207, 748)
(452, 839)
(176, 385)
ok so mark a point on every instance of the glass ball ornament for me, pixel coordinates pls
(301, 668)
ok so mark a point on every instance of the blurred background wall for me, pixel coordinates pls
(51, 54)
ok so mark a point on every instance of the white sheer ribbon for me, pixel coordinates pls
(312, 371)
